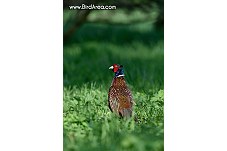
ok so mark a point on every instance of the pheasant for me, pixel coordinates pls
(119, 97)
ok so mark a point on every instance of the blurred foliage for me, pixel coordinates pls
(139, 46)
(127, 12)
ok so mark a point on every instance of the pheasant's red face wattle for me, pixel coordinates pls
(115, 68)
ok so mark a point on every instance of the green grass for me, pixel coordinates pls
(88, 122)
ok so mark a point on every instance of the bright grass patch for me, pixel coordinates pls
(88, 120)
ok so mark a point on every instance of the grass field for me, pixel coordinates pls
(88, 122)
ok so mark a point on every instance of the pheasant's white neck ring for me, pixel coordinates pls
(120, 76)
(119, 73)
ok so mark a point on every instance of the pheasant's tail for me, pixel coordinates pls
(126, 112)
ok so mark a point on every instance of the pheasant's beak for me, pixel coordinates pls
(111, 67)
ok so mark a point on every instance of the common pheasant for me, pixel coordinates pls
(119, 96)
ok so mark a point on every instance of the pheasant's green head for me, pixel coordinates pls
(117, 69)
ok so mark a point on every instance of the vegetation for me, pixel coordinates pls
(88, 122)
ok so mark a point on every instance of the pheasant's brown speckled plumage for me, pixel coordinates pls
(120, 97)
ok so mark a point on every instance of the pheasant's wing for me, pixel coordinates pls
(125, 102)
(127, 92)
(120, 100)
(112, 99)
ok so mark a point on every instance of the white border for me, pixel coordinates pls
(195, 75)
(31, 77)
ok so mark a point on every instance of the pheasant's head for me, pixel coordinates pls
(118, 70)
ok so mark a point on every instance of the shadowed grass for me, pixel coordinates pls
(88, 60)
